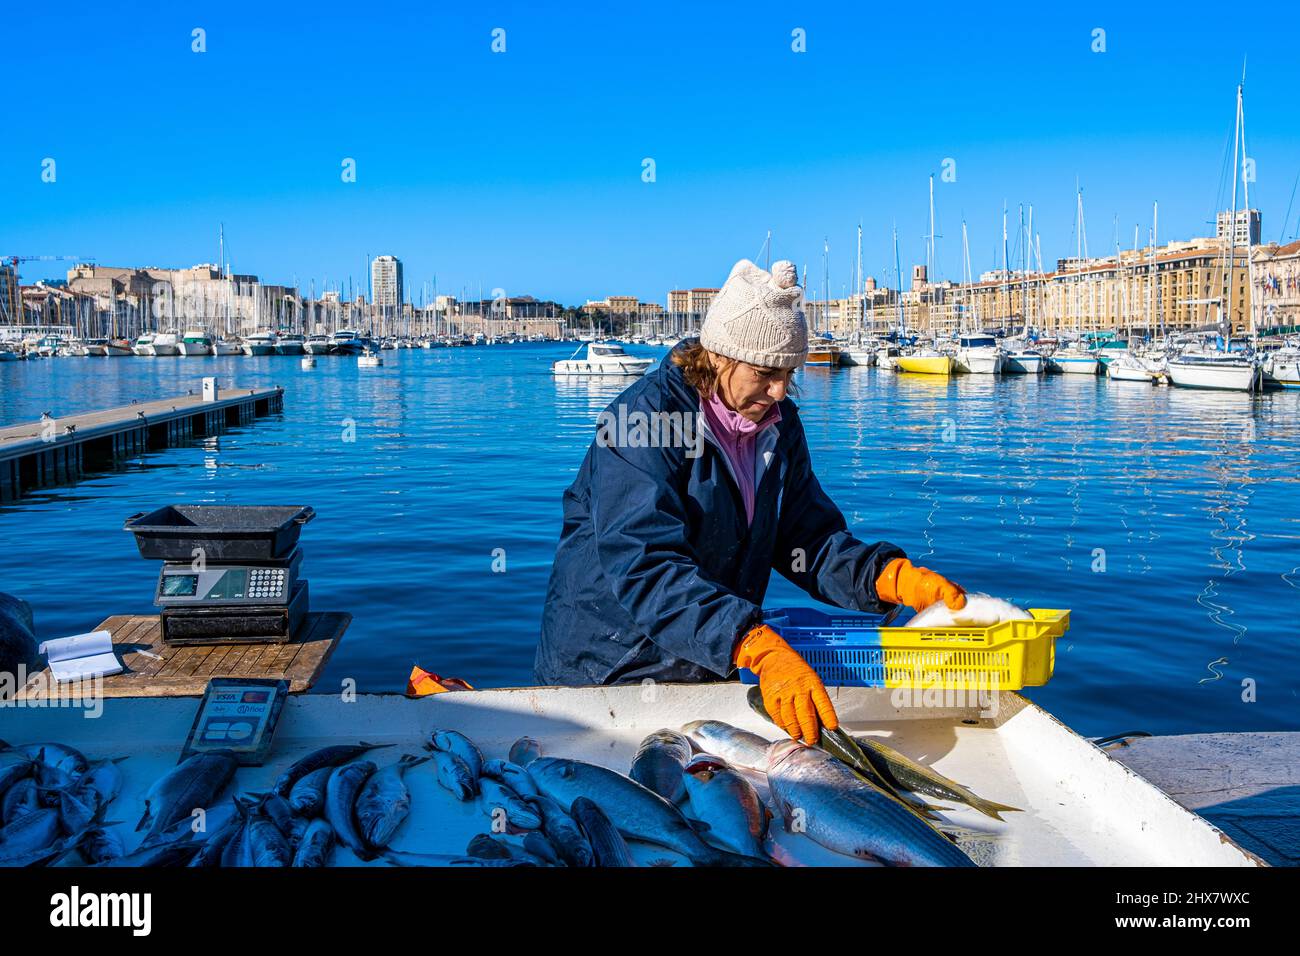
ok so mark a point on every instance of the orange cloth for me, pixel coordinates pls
(792, 692)
(422, 683)
(902, 582)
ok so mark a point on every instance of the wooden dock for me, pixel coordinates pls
(157, 669)
(60, 449)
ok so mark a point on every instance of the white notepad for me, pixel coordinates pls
(81, 656)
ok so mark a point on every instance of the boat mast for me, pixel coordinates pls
(858, 285)
(898, 297)
(1232, 228)
(1245, 185)
(965, 272)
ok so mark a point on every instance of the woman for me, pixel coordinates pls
(671, 533)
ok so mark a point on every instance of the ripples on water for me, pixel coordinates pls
(1165, 519)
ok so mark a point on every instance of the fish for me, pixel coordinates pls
(608, 847)
(451, 741)
(314, 848)
(33, 830)
(659, 762)
(330, 757)
(307, 796)
(564, 833)
(839, 744)
(492, 847)
(277, 808)
(722, 798)
(980, 610)
(196, 782)
(214, 846)
(14, 766)
(60, 756)
(496, 798)
(104, 777)
(102, 844)
(341, 793)
(384, 802)
(512, 775)
(904, 773)
(828, 802)
(454, 775)
(76, 810)
(524, 751)
(740, 748)
(266, 845)
(639, 813)
(446, 859)
(23, 797)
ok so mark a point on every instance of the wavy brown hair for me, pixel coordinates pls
(693, 359)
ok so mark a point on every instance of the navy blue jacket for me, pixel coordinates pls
(657, 572)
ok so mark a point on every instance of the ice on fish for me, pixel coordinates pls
(981, 610)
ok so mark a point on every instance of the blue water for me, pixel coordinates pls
(1018, 487)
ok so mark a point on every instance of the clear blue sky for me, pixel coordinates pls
(523, 170)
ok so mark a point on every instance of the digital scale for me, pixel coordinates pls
(232, 574)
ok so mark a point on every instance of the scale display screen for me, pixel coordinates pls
(185, 586)
(180, 585)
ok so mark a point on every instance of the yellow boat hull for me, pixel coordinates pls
(932, 365)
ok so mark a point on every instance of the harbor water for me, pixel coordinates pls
(1165, 519)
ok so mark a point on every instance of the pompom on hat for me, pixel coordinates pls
(757, 317)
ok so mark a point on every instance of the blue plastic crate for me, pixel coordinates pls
(843, 647)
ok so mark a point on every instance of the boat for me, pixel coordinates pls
(228, 347)
(926, 362)
(166, 343)
(1282, 368)
(369, 358)
(8, 353)
(603, 358)
(1074, 361)
(1023, 361)
(143, 344)
(979, 355)
(1128, 367)
(861, 355)
(96, 348)
(317, 344)
(290, 343)
(822, 351)
(887, 357)
(260, 343)
(1080, 805)
(197, 342)
(1207, 368)
(347, 342)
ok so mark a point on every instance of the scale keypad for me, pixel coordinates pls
(266, 582)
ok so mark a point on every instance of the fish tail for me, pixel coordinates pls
(144, 820)
(992, 809)
(370, 746)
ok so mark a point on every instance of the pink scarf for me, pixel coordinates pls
(738, 437)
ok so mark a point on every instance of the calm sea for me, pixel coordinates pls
(1167, 520)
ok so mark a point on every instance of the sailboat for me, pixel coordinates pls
(1214, 368)
(822, 349)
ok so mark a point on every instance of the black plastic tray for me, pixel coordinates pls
(219, 532)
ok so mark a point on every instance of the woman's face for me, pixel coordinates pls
(751, 390)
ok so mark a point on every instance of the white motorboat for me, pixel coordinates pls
(1282, 368)
(1212, 369)
(1130, 368)
(369, 358)
(166, 343)
(197, 342)
(980, 355)
(144, 344)
(347, 342)
(887, 357)
(603, 358)
(228, 347)
(317, 344)
(96, 348)
(1073, 361)
(1080, 806)
(1021, 361)
(291, 343)
(260, 343)
(861, 355)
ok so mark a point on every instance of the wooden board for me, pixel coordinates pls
(155, 669)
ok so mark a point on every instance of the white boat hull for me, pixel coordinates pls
(194, 348)
(855, 356)
(1072, 365)
(1020, 364)
(1282, 373)
(290, 348)
(1127, 373)
(258, 349)
(1081, 807)
(1223, 378)
(980, 362)
(583, 367)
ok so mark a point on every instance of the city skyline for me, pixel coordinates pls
(525, 169)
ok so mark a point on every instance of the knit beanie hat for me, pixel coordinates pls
(757, 317)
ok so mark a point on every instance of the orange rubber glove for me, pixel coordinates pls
(793, 694)
(902, 582)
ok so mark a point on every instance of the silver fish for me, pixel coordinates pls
(740, 748)
(512, 775)
(194, 783)
(332, 756)
(14, 766)
(658, 764)
(524, 751)
(638, 813)
(728, 803)
(31, 831)
(102, 844)
(215, 844)
(384, 802)
(60, 756)
(308, 794)
(266, 845)
(825, 799)
(904, 773)
(341, 797)
(314, 849)
(454, 775)
(277, 808)
(564, 833)
(104, 777)
(608, 847)
(451, 741)
(23, 797)
(496, 798)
